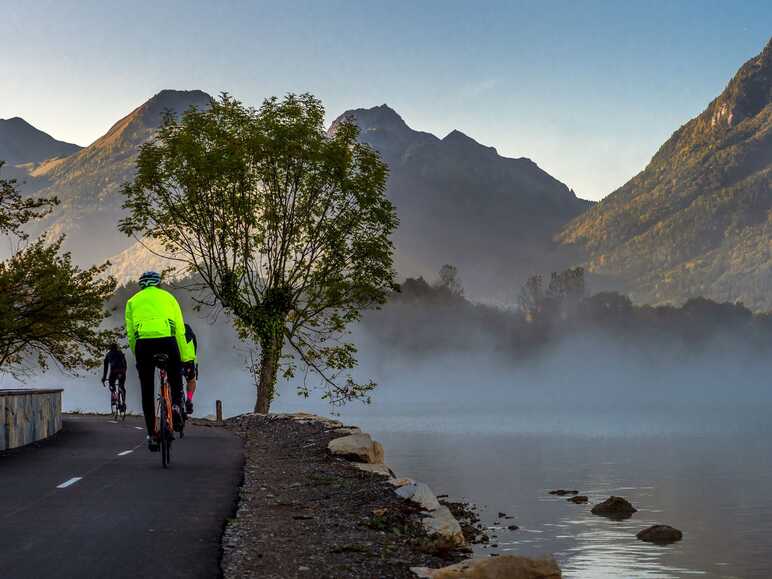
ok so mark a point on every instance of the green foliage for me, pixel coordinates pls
(531, 297)
(16, 211)
(561, 298)
(50, 309)
(450, 280)
(420, 321)
(289, 229)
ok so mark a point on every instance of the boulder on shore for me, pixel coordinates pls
(419, 493)
(442, 526)
(400, 482)
(348, 430)
(502, 567)
(614, 508)
(660, 534)
(358, 447)
(308, 418)
(374, 468)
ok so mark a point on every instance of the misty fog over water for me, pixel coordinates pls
(685, 437)
(590, 385)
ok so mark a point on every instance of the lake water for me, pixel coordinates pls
(714, 486)
(687, 451)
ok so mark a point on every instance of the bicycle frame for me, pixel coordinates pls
(164, 397)
(116, 400)
(114, 403)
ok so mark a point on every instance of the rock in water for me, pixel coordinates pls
(660, 534)
(578, 499)
(502, 567)
(563, 492)
(357, 447)
(614, 508)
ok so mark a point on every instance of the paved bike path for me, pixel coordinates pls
(80, 505)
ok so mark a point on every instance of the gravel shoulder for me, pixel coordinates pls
(305, 513)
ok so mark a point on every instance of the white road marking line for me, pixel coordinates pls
(67, 483)
(139, 428)
(125, 452)
(113, 421)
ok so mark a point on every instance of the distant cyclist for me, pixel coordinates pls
(190, 369)
(115, 361)
(154, 325)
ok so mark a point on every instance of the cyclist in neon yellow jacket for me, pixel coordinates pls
(154, 325)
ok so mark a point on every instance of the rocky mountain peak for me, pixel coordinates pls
(457, 139)
(20, 142)
(380, 117)
(174, 100)
(377, 121)
(15, 121)
(747, 94)
(134, 126)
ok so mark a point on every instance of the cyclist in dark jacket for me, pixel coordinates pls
(116, 362)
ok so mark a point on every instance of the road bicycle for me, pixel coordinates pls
(117, 402)
(164, 413)
(164, 420)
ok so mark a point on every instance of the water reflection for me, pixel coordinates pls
(713, 487)
(699, 462)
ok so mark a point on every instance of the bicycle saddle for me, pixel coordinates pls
(160, 359)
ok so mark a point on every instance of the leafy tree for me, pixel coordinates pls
(16, 211)
(449, 280)
(288, 228)
(531, 297)
(49, 308)
(566, 289)
(560, 300)
(607, 306)
(567, 285)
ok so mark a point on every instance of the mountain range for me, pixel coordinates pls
(697, 221)
(88, 182)
(458, 201)
(22, 143)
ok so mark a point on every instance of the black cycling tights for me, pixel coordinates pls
(144, 351)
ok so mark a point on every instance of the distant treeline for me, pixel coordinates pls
(426, 317)
(431, 317)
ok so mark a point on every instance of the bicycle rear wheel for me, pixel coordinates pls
(165, 438)
(122, 405)
(169, 450)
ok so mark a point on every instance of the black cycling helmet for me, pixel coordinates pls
(149, 278)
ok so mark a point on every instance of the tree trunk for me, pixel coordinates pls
(269, 365)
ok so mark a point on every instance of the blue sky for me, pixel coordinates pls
(588, 90)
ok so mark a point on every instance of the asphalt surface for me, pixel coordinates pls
(79, 505)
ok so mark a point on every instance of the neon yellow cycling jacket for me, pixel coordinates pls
(155, 313)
